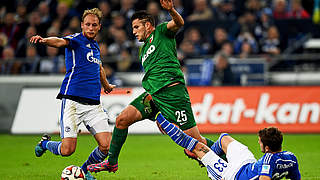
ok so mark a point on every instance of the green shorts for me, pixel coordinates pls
(145, 110)
(174, 104)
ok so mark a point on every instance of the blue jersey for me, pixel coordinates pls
(276, 166)
(82, 79)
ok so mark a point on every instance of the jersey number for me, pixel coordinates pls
(280, 176)
(220, 165)
(181, 116)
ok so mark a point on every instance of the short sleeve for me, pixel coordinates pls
(73, 40)
(268, 165)
(163, 29)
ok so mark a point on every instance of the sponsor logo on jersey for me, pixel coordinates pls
(90, 58)
(284, 166)
(73, 35)
(265, 169)
(182, 123)
(151, 38)
(67, 129)
(149, 51)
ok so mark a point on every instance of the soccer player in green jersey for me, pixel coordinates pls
(163, 80)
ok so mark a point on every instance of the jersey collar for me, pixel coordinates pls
(150, 38)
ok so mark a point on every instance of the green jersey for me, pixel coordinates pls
(158, 56)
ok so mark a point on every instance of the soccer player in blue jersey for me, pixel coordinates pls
(80, 92)
(274, 164)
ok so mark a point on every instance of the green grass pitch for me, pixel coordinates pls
(143, 157)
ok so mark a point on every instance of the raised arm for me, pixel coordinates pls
(177, 21)
(50, 41)
(104, 82)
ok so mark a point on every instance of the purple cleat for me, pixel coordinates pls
(103, 166)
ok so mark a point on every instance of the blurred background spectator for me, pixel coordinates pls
(297, 11)
(201, 11)
(225, 11)
(280, 10)
(31, 63)
(271, 44)
(112, 79)
(154, 9)
(222, 74)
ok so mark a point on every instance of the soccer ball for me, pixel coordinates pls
(72, 172)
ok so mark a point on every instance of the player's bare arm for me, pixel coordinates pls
(104, 82)
(177, 21)
(200, 150)
(264, 178)
(50, 41)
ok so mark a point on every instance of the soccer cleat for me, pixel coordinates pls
(39, 150)
(103, 166)
(191, 155)
(89, 176)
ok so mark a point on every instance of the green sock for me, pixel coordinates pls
(119, 136)
(209, 142)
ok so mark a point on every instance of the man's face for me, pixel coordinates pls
(90, 26)
(139, 30)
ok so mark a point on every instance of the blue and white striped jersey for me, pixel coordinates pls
(276, 166)
(82, 79)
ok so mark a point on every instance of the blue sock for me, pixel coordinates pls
(96, 156)
(176, 134)
(54, 147)
(44, 144)
(217, 147)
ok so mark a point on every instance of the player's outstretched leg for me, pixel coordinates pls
(103, 166)
(217, 147)
(176, 134)
(46, 144)
(193, 156)
(40, 148)
(127, 117)
(210, 159)
(96, 156)
(119, 136)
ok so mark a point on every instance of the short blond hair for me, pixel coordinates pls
(94, 11)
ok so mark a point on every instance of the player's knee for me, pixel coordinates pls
(104, 145)
(104, 148)
(122, 122)
(225, 139)
(67, 151)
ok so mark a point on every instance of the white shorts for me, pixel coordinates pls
(237, 156)
(73, 114)
(215, 165)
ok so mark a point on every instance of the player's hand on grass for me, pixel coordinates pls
(37, 39)
(166, 4)
(109, 88)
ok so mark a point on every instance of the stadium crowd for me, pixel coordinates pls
(239, 28)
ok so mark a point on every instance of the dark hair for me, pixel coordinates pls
(143, 15)
(271, 137)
